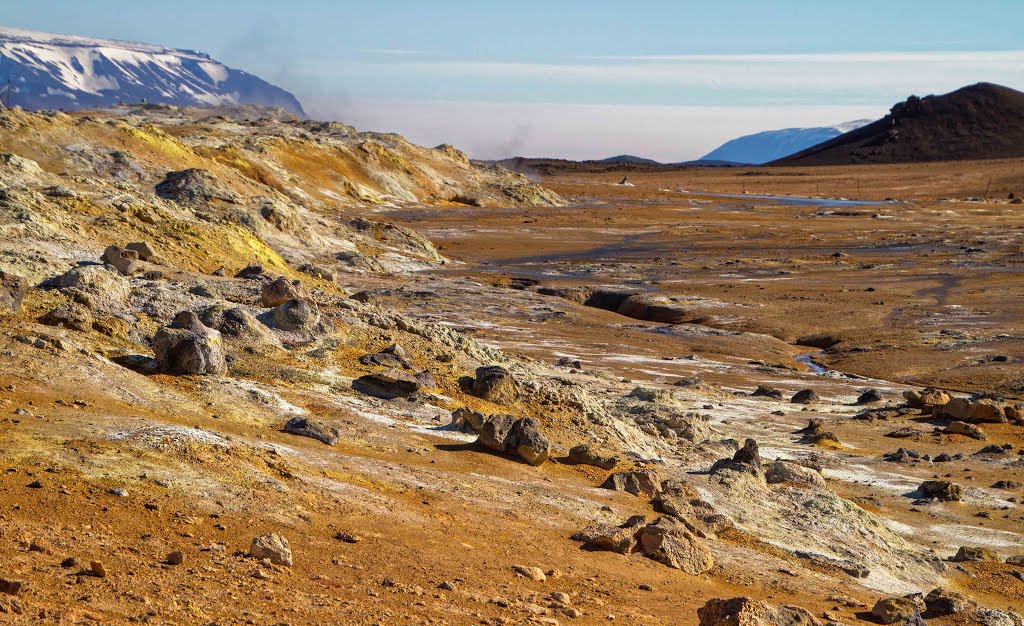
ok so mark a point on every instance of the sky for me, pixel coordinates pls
(669, 80)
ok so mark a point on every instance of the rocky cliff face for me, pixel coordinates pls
(49, 71)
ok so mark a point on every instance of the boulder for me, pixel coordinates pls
(941, 489)
(591, 454)
(940, 602)
(671, 543)
(751, 612)
(309, 428)
(526, 441)
(468, 420)
(187, 346)
(643, 483)
(869, 397)
(252, 271)
(764, 391)
(518, 437)
(494, 434)
(281, 290)
(954, 409)
(620, 538)
(495, 384)
(963, 428)
(805, 396)
(125, 261)
(682, 502)
(143, 250)
(387, 384)
(237, 323)
(986, 411)
(298, 316)
(926, 399)
(12, 292)
(271, 546)
(972, 553)
(900, 610)
(648, 394)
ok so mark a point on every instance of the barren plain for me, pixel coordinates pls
(477, 382)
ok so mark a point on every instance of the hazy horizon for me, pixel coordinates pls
(664, 80)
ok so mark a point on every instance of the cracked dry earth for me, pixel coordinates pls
(131, 492)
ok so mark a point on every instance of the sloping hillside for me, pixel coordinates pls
(982, 121)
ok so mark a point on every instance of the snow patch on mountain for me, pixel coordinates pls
(50, 71)
(770, 145)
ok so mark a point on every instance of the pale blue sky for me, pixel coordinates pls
(667, 79)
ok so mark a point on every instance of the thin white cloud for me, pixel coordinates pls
(857, 77)
(966, 56)
(395, 51)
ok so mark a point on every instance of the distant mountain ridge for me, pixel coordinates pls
(50, 71)
(629, 158)
(772, 145)
(981, 121)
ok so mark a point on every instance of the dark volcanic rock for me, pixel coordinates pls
(387, 384)
(495, 384)
(74, 316)
(869, 397)
(517, 437)
(804, 396)
(187, 346)
(764, 391)
(746, 459)
(309, 428)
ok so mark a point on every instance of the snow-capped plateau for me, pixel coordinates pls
(775, 144)
(50, 71)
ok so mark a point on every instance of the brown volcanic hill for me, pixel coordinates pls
(982, 121)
